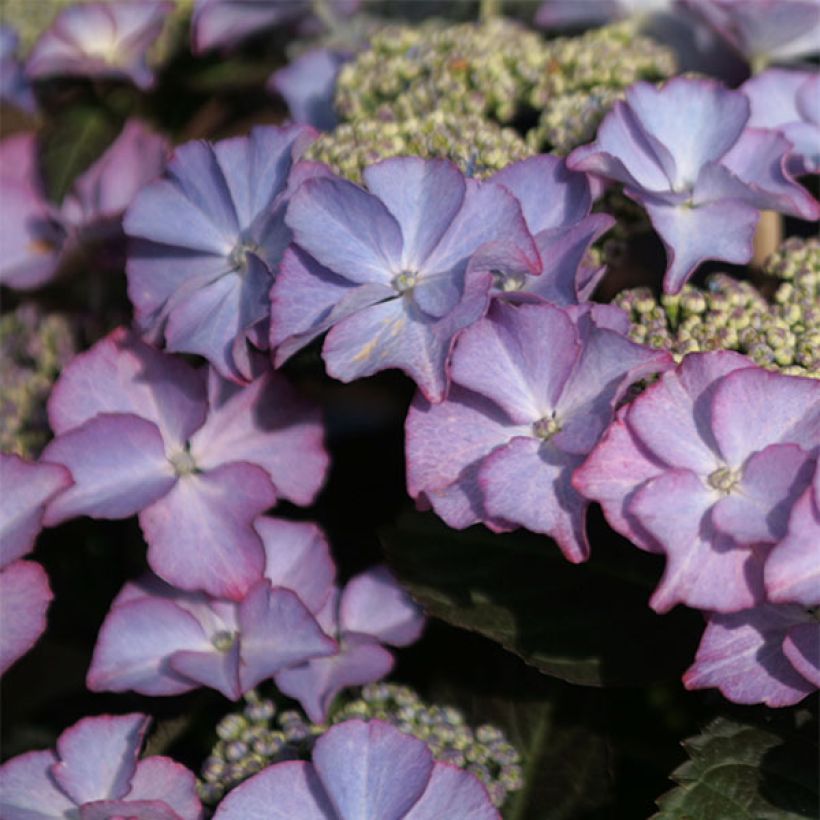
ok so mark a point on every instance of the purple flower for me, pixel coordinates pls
(95, 773)
(571, 13)
(228, 22)
(705, 466)
(24, 598)
(556, 204)
(370, 611)
(764, 31)
(769, 654)
(211, 234)
(534, 388)
(14, 85)
(140, 435)
(362, 770)
(789, 102)
(685, 153)
(397, 271)
(158, 640)
(308, 85)
(101, 40)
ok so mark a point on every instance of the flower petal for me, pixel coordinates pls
(454, 794)
(802, 647)
(25, 595)
(160, 778)
(27, 790)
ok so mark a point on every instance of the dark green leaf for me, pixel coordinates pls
(743, 771)
(587, 624)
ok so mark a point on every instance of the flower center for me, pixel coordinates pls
(238, 258)
(183, 463)
(546, 427)
(724, 479)
(507, 282)
(223, 640)
(405, 280)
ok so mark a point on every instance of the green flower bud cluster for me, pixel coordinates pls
(585, 76)
(478, 146)
(488, 69)
(34, 347)
(796, 260)
(728, 314)
(258, 736)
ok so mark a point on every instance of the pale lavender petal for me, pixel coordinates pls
(527, 483)
(758, 508)
(374, 604)
(754, 408)
(721, 230)
(704, 569)
(276, 631)
(284, 791)
(214, 668)
(201, 535)
(346, 229)
(802, 647)
(119, 467)
(25, 595)
(27, 790)
(132, 809)
(135, 643)
(615, 469)
(423, 195)
(98, 756)
(454, 794)
(268, 424)
(315, 684)
(123, 374)
(297, 557)
(372, 771)
(160, 778)
(27, 488)
(741, 654)
(519, 357)
(792, 571)
(228, 22)
(772, 97)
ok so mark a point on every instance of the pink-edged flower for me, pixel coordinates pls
(208, 238)
(789, 102)
(764, 31)
(769, 654)
(362, 770)
(371, 610)
(534, 387)
(101, 40)
(25, 594)
(36, 234)
(556, 204)
(95, 773)
(396, 271)
(141, 432)
(685, 152)
(704, 466)
(14, 85)
(158, 640)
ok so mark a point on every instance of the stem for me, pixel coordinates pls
(324, 11)
(489, 9)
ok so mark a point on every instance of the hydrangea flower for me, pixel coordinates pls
(789, 102)
(571, 13)
(764, 31)
(685, 153)
(228, 22)
(362, 770)
(95, 773)
(140, 434)
(395, 271)
(211, 234)
(371, 610)
(556, 204)
(101, 40)
(36, 234)
(704, 467)
(768, 654)
(160, 641)
(14, 85)
(24, 589)
(534, 388)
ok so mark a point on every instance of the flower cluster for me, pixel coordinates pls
(248, 742)
(712, 467)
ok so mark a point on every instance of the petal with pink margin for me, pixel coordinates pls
(454, 794)
(802, 647)
(27, 790)
(24, 598)
(160, 778)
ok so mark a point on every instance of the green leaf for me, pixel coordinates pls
(743, 771)
(588, 624)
